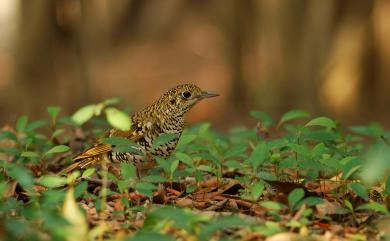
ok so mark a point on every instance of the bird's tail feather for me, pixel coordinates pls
(79, 164)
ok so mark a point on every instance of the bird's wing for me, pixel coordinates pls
(136, 132)
(93, 151)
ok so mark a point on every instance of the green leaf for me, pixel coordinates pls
(58, 149)
(29, 154)
(266, 120)
(374, 129)
(312, 201)
(185, 158)
(52, 181)
(118, 119)
(348, 204)
(387, 185)
(83, 114)
(272, 205)
(184, 140)
(174, 166)
(154, 179)
(236, 150)
(232, 164)
(147, 236)
(376, 163)
(53, 111)
(359, 189)
(295, 196)
(128, 171)
(112, 101)
(322, 121)
(146, 188)
(21, 123)
(267, 176)
(88, 172)
(8, 135)
(219, 224)
(22, 175)
(258, 155)
(320, 135)
(257, 190)
(57, 132)
(36, 124)
(163, 139)
(293, 114)
(350, 171)
(374, 206)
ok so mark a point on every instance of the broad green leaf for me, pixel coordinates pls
(21, 123)
(22, 175)
(322, 121)
(52, 181)
(312, 201)
(232, 164)
(112, 101)
(185, 158)
(88, 172)
(174, 166)
(267, 176)
(376, 163)
(58, 149)
(185, 140)
(265, 119)
(29, 154)
(220, 223)
(295, 196)
(53, 111)
(83, 114)
(320, 135)
(118, 119)
(146, 188)
(128, 171)
(359, 189)
(351, 171)
(348, 204)
(35, 124)
(257, 190)
(387, 185)
(374, 206)
(163, 139)
(154, 179)
(373, 129)
(203, 128)
(57, 132)
(236, 150)
(293, 114)
(3, 189)
(272, 205)
(8, 135)
(258, 155)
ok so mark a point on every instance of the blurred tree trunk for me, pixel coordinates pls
(47, 48)
(34, 58)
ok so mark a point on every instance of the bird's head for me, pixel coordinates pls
(181, 98)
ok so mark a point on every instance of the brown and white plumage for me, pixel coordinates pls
(166, 115)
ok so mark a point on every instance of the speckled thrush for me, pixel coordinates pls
(166, 115)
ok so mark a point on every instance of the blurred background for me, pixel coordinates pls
(327, 57)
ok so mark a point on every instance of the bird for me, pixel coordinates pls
(166, 115)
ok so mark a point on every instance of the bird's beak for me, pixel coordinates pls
(207, 94)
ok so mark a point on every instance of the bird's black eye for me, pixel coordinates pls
(186, 94)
